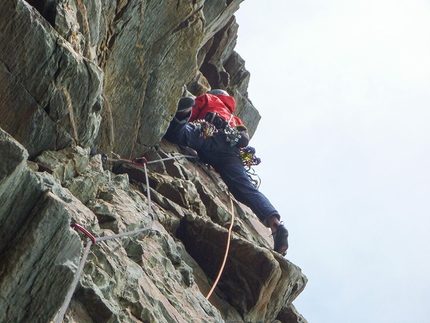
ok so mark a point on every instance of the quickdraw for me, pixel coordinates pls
(206, 128)
(139, 161)
(232, 135)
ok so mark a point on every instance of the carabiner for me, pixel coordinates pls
(85, 231)
(139, 161)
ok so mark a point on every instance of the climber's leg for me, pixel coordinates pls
(236, 178)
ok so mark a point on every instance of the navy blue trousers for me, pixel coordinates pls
(225, 159)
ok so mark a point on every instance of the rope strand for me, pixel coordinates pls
(144, 161)
(71, 290)
(147, 228)
(139, 162)
(226, 250)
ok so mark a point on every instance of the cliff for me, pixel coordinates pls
(81, 83)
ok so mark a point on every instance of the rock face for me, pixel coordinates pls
(78, 76)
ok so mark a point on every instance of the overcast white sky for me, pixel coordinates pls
(343, 87)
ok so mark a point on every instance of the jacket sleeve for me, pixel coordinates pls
(199, 103)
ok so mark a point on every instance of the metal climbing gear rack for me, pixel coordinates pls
(206, 128)
(249, 159)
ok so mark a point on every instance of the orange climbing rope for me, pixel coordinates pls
(226, 250)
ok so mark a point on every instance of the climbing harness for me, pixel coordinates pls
(249, 159)
(206, 128)
(215, 119)
(232, 135)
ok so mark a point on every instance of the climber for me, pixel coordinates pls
(207, 125)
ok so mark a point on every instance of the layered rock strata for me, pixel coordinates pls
(83, 77)
(161, 275)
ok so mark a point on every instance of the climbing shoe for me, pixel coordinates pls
(281, 240)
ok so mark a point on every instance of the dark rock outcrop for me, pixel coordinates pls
(79, 76)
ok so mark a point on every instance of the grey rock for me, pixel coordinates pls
(39, 250)
(81, 78)
(51, 96)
